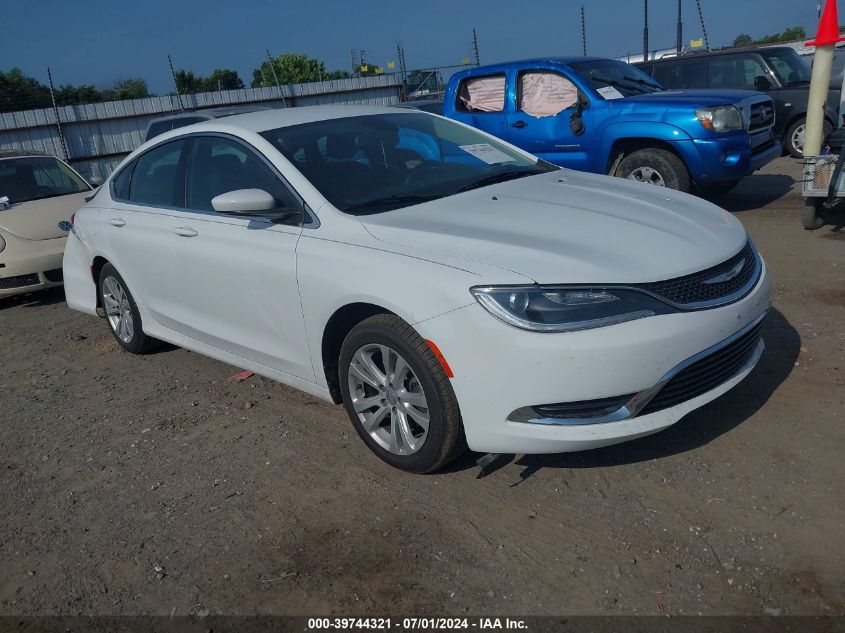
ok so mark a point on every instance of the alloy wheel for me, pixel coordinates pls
(118, 309)
(648, 175)
(388, 399)
(797, 139)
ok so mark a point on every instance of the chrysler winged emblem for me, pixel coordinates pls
(728, 275)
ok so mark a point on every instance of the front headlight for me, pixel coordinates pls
(2, 243)
(721, 118)
(566, 309)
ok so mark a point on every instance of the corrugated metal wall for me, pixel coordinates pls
(99, 135)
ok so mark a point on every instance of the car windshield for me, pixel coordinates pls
(376, 163)
(789, 67)
(37, 177)
(614, 79)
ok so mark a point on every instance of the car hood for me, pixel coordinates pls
(569, 227)
(696, 98)
(39, 219)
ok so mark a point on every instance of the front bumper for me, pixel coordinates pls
(500, 370)
(30, 265)
(729, 158)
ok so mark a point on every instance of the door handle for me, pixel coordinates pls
(519, 124)
(117, 222)
(185, 231)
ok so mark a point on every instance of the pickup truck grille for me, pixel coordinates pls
(726, 282)
(762, 116)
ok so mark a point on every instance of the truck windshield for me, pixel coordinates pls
(379, 162)
(609, 74)
(789, 67)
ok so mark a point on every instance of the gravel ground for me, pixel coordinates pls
(156, 485)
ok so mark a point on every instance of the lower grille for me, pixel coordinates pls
(583, 408)
(707, 373)
(56, 275)
(20, 281)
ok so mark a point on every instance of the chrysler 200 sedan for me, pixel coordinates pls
(449, 289)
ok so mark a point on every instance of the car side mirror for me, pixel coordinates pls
(761, 82)
(254, 202)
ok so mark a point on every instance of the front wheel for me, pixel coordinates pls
(398, 395)
(122, 313)
(655, 166)
(794, 137)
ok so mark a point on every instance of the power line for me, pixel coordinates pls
(56, 112)
(703, 27)
(583, 32)
(175, 83)
(475, 48)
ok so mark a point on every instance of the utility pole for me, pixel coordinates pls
(56, 112)
(276, 78)
(475, 48)
(679, 39)
(583, 32)
(703, 26)
(175, 83)
(400, 55)
(645, 32)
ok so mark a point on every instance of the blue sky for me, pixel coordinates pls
(98, 41)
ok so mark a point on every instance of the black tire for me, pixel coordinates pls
(445, 440)
(138, 342)
(671, 169)
(811, 215)
(797, 150)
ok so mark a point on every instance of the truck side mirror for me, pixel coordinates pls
(761, 82)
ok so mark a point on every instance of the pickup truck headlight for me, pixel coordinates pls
(566, 309)
(721, 118)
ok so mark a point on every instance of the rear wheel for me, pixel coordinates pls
(398, 396)
(122, 313)
(655, 166)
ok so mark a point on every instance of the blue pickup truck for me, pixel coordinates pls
(605, 116)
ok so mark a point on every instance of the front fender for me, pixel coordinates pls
(641, 131)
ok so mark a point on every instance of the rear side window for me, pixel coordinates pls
(681, 75)
(120, 183)
(156, 178)
(220, 165)
(735, 71)
(481, 94)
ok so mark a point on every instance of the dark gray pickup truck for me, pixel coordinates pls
(778, 71)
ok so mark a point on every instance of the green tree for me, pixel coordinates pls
(222, 79)
(21, 92)
(187, 83)
(126, 89)
(76, 95)
(744, 39)
(291, 68)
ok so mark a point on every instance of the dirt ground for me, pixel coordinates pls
(156, 485)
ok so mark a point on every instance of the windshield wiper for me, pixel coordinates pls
(394, 202)
(501, 176)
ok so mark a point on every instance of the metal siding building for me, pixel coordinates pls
(99, 135)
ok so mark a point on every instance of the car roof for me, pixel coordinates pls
(214, 113)
(264, 120)
(20, 153)
(724, 51)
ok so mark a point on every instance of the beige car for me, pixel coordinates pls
(38, 195)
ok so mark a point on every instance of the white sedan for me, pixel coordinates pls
(448, 288)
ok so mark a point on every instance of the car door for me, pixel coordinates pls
(137, 223)
(236, 274)
(541, 123)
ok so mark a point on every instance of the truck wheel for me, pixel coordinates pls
(793, 140)
(811, 216)
(655, 167)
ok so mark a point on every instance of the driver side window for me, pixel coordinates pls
(219, 165)
(545, 93)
